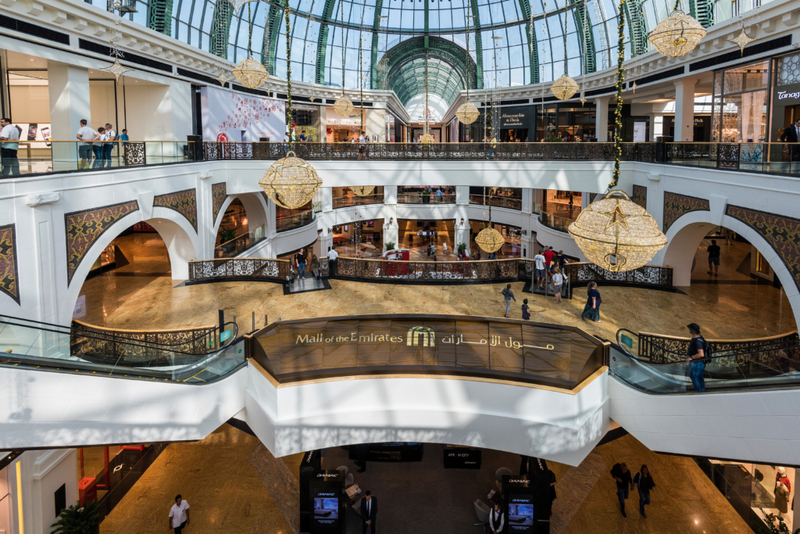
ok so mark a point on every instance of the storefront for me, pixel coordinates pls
(359, 239)
(741, 103)
(785, 95)
(307, 123)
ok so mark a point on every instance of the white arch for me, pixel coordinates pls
(689, 230)
(254, 206)
(181, 240)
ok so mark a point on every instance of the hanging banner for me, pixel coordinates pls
(231, 116)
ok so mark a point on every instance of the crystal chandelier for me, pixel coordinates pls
(250, 72)
(290, 182)
(362, 190)
(677, 35)
(617, 234)
(489, 240)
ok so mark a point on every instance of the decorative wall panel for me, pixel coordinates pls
(781, 232)
(676, 205)
(219, 192)
(640, 195)
(9, 281)
(85, 227)
(184, 202)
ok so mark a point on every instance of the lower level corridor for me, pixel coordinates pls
(233, 484)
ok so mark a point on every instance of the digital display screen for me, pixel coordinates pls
(326, 511)
(520, 516)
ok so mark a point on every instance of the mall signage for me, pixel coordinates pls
(327, 502)
(519, 503)
(513, 118)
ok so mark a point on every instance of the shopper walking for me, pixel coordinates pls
(179, 515)
(300, 263)
(539, 272)
(592, 309)
(508, 295)
(497, 519)
(492, 147)
(622, 476)
(369, 513)
(558, 282)
(86, 136)
(698, 351)
(9, 135)
(644, 482)
(713, 258)
(526, 311)
(333, 257)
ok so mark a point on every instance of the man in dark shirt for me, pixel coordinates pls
(713, 258)
(696, 353)
(622, 476)
(300, 262)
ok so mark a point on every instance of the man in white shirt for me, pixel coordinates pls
(497, 518)
(179, 515)
(86, 135)
(332, 257)
(8, 147)
(108, 147)
(539, 269)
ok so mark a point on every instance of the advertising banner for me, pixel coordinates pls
(230, 116)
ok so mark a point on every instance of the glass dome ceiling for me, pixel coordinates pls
(504, 49)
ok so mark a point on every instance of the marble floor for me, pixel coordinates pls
(227, 493)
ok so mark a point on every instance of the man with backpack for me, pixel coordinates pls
(698, 355)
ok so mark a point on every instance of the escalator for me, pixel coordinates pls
(190, 356)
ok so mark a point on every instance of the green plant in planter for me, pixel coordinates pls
(77, 519)
(462, 247)
(226, 234)
(553, 138)
(390, 245)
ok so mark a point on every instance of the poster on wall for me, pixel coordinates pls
(34, 131)
(639, 132)
(230, 116)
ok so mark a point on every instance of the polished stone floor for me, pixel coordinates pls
(222, 483)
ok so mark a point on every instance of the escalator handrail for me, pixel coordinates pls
(122, 340)
(725, 354)
(122, 333)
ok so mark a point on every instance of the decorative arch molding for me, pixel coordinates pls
(218, 194)
(84, 228)
(184, 202)
(9, 273)
(675, 206)
(255, 205)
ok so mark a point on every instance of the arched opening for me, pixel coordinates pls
(145, 256)
(242, 225)
(724, 271)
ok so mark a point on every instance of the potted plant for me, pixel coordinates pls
(462, 248)
(78, 519)
(390, 245)
(226, 235)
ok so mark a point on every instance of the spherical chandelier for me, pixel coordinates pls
(343, 106)
(564, 87)
(617, 234)
(677, 35)
(362, 190)
(251, 73)
(290, 182)
(426, 139)
(467, 113)
(489, 240)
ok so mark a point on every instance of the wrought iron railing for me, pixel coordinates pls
(426, 271)
(198, 340)
(650, 276)
(239, 268)
(421, 198)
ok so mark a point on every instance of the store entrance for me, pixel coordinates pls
(427, 240)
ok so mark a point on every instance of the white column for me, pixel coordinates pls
(601, 118)
(656, 126)
(68, 89)
(462, 217)
(684, 110)
(390, 227)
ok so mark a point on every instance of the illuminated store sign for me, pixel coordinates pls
(782, 95)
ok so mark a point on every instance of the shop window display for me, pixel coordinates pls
(740, 106)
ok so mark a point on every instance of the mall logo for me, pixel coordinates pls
(424, 332)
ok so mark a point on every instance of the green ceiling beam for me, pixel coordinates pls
(272, 33)
(530, 35)
(159, 16)
(322, 41)
(221, 29)
(476, 25)
(703, 11)
(373, 64)
(585, 34)
(637, 26)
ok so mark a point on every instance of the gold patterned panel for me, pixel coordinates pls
(184, 202)
(781, 232)
(677, 205)
(9, 281)
(640, 195)
(219, 193)
(85, 227)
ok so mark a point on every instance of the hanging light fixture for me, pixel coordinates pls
(489, 240)
(116, 68)
(426, 138)
(362, 190)
(677, 35)
(467, 113)
(290, 182)
(343, 106)
(614, 232)
(564, 87)
(250, 72)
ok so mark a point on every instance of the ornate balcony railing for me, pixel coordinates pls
(660, 348)
(273, 270)
(648, 276)
(426, 271)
